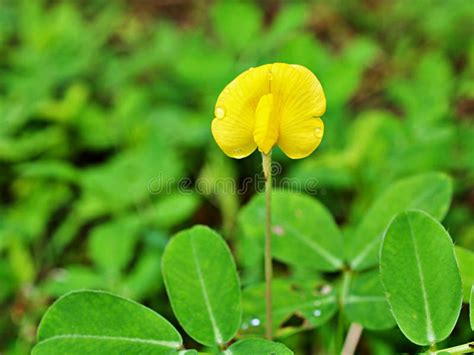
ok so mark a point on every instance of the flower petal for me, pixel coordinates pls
(299, 101)
(234, 124)
(266, 124)
(303, 139)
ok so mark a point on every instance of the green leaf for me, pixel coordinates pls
(202, 284)
(433, 68)
(257, 346)
(217, 170)
(9, 284)
(173, 209)
(421, 277)
(291, 19)
(49, 169)
(430, 192)
(366, 304)
(304, 232)
(302, 49)
(471, 308)
(72, 277)
(100, 346)
(145, 278)
(312, 301)
(95, 322)
(348, 69)
(373, 139)
(21, 262)
(236, 23)
(42, 198)
(131, 176)
(112, 244)
(193, 64)
(465, 259)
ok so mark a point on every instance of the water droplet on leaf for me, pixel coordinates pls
(317, 312)
(255, 322)
(326, 289)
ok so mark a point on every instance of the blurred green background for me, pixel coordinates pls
(103, 103)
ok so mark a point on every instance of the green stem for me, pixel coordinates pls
(346, 281)
(460, 349)
(267, 172)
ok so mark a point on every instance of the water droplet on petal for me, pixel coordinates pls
(317, 313)
(318, 132)
(237, 150)
(219, 112)
(255, 322)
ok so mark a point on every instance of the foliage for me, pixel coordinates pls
(201, 280)
(421, 277)
(106, 152)
(205, 299)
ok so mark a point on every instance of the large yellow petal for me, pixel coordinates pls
(299, 101)
(235, 109)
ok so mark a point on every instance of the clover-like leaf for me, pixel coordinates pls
(96, 322)
(366, 304)
(471, 308)
(257, 346)
(430, 192)
(421, 277)
(203, 286)
(304, 232)
(311, 301)
(465, 258)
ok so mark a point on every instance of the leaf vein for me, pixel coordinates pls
(334, 261)
(169, 344)
(215, 328)
(429, 322)
(363, 299)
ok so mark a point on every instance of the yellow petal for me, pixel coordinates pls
(299, 100)
(266, 124)
(235, 109)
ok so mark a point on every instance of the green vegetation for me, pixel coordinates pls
(106, 153)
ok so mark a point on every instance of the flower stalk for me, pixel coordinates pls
(352, 339)
(267, 172)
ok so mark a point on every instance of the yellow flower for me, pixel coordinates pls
(274, 104)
